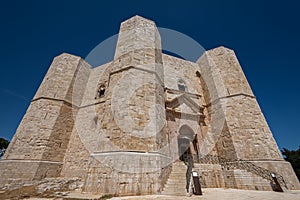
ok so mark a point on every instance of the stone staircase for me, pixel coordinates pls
(243, 165)
(250, 181)
(176, 184)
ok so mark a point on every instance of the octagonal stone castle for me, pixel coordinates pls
(142, 122)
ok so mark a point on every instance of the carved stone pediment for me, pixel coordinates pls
(184, 103)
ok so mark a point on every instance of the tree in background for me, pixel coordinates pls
(293, 156)
(3, 146)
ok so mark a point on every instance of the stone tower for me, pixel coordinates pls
(127, 127)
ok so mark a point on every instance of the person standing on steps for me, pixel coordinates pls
(190, 165)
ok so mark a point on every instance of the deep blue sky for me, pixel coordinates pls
(264, 34)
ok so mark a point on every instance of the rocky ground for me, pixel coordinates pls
(47, 188)
(208, 194)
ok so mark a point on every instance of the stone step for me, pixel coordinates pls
(175, 187)
(171, 182)
(179, 172)
(174, 193)
(176, 183)
(172, 188)
(179, 168)
(178, 176)
(181, 191)
(246, 179)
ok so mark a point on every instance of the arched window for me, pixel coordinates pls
(181, 85)
(100, 91)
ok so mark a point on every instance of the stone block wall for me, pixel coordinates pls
(249, 181)
(44, 132)
(245, 133)
(211, 175)
(175, 69)
(124, 141)
(59, 81)
(246, 125)
(284, 169)
(111, 173)
(19, 172)
(129, 117)
(30, 141)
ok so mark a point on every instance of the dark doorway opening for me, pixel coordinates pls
(184, 148)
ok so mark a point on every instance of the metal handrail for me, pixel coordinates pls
(239, 164)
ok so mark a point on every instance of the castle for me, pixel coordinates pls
(132, 126)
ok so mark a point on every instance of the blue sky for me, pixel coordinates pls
(264, 34)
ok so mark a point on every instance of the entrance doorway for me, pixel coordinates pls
(184, 148)
(187, 143)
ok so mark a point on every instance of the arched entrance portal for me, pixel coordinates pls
(183, 148)
(187, 143)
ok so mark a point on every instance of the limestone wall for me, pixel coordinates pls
(129, 117)
(250, 133)
(124, 141)
(112, 173)
(283, 168)
(59, 80)
(210, 175)
(244, 133)
(247, 127)
(175, 69)
(44, 132)
(31, 138)
(137, 33)
(19, 172)
(231, 73)
(98, 75)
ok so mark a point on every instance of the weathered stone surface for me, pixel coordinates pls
(155, 109)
